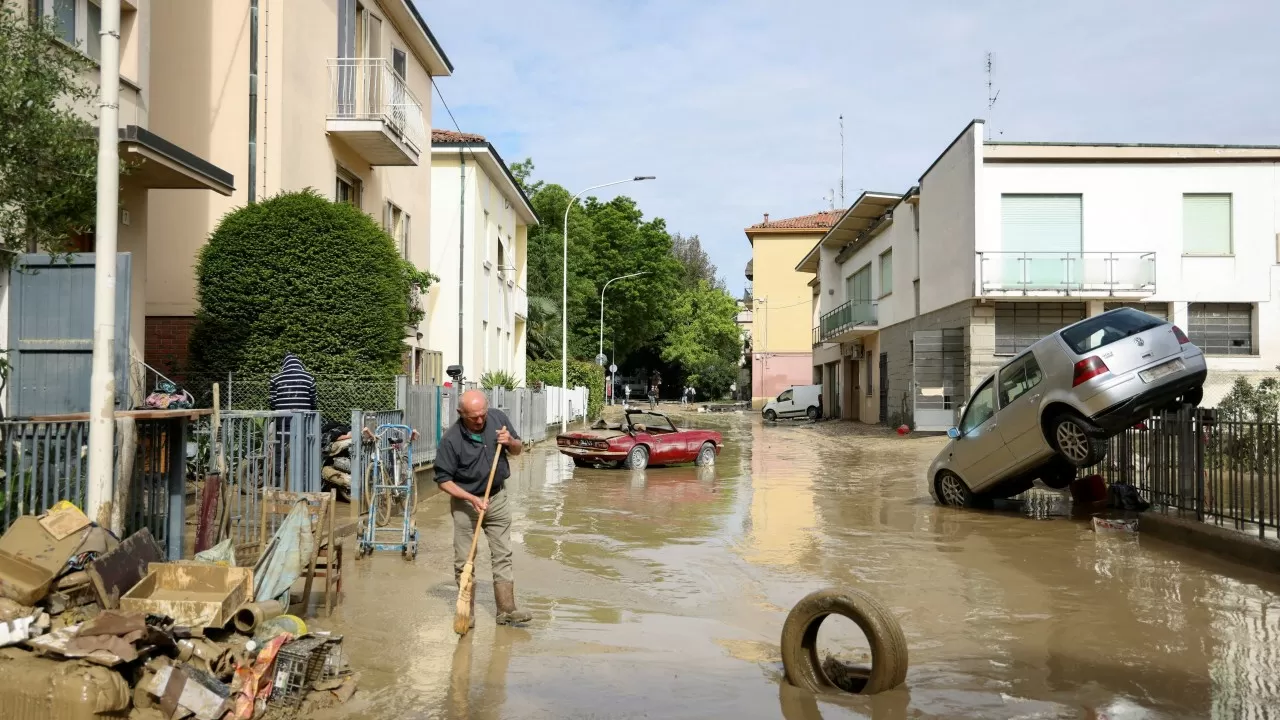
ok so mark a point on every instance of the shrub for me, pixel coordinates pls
(298, 273)
(581, 372)
(1245, 441)
(499, 379)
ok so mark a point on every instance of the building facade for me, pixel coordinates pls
(342, 97)
(919, 295)
(480, 222)
(781, 350)
(50, 357)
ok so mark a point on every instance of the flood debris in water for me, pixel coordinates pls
(848, 677)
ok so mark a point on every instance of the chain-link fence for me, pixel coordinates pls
(1229, 385)
(336, 395)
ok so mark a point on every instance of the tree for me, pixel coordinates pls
(298, 273)
(48, 149)
(697, 264)
(704, 339)
(522, 171)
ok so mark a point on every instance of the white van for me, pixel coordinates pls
(795, 401)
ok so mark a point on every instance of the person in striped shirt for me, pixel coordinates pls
(293, 388)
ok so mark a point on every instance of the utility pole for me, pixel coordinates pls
(102, 381)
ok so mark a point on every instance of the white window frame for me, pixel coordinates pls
(342, 175)
(887, 254)
(81, 30)
(396, 223)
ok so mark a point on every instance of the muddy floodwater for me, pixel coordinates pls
(661, 594)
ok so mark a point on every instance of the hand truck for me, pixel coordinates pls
(392, 494)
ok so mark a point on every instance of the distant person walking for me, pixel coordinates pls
(293, 388)
(653, 397)
(684, 395)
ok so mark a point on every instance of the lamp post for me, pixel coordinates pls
(564, 300)
(606, 287)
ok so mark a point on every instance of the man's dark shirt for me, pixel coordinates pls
(466, 461)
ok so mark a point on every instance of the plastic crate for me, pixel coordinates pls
(299, 665)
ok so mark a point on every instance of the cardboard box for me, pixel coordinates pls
(30, 558)
(194, 595)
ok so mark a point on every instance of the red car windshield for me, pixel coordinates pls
(652, 423)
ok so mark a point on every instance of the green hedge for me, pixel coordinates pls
(581, 372)
(299, 273)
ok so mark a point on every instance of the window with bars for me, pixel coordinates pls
(1021, 325)
(1221, 328)
(1160, 310)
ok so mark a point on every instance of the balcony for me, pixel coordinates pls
(1057, 274)
(372, 111)
(520, 302)
(851, 320)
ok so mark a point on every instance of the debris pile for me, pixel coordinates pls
(92, 627)
(335, 449)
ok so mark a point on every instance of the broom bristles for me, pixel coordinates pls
(466, 588)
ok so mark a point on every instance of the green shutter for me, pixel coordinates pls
(1038, 235)
(886, 273)
(1206, 224)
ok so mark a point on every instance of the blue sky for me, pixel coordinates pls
(734, 104)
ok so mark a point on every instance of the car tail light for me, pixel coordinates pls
(562, 441)
(1088, 369)
(1182, 337)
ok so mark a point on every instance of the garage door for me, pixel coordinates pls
(1020, 325)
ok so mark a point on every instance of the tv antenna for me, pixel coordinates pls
(841, 161)
(992, 93)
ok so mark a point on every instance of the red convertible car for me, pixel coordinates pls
(642, 439)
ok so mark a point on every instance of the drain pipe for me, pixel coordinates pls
(253, 100)
(462, 241)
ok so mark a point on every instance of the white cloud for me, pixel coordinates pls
(733, 105)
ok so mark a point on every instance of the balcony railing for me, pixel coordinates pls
(520, 301)
(817, 336)
(853, 314)
(369, 89)
(1066, 273)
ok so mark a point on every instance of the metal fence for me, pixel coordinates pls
(47, 461)
(1225, 469)
(265, 450)
(336, 395)
(362, 449)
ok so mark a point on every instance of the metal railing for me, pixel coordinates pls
(1101, 273)
(370, 89)
(1226, 470)
(266, 450)
(855, 313)
(43, 462)
(817, 336)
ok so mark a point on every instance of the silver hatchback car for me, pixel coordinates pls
(1049, 411)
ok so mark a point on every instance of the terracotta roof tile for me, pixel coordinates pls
(449, 136)
(816, 221)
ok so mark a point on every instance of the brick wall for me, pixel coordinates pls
(979, 325)
(166, 344)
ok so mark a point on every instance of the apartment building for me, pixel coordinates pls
(480, 220)
(47, 315)
(781, 352)
(341, 98)
(919, 295)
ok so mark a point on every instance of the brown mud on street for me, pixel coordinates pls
(662, 594)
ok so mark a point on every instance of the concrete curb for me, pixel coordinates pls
(1185, 529)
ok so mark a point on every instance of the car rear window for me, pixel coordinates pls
(1089, 335)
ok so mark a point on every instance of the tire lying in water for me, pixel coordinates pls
(806, 670)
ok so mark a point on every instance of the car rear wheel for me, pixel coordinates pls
(1075, 440)
(952, 491)
(638, 458)
(1193, 397)
(770, 415)
(812, 413)
(706, 455)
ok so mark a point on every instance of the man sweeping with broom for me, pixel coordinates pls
(472, 468)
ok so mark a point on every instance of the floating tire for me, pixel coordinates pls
(800, 660)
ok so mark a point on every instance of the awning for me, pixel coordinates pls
(865, 211)
(156, 163)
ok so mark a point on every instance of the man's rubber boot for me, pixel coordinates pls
(504, 594)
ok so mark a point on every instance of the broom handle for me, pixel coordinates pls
(475, 538)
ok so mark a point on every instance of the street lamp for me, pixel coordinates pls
(606, 287)
(564, 300)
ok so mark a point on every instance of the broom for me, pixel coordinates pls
(467, 582)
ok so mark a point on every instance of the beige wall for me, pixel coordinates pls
(201, 79)
(782, 322)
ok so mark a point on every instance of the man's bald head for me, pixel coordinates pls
(473, 406)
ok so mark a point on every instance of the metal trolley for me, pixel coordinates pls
(392, 493)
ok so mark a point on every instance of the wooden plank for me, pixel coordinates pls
(116, 572)
(188, 413)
